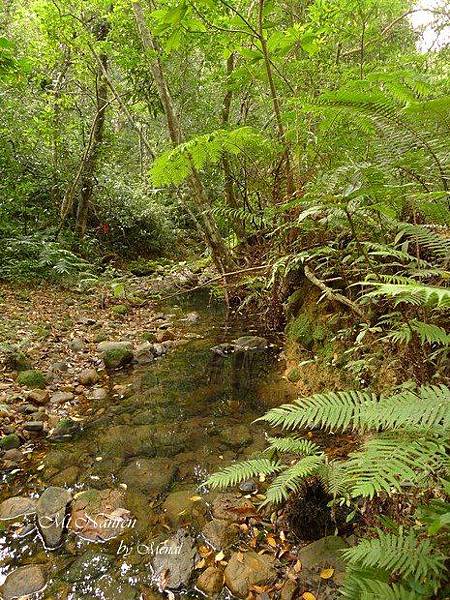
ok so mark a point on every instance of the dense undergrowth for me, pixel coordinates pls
(302, 149)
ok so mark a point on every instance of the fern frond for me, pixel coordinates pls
(402, 554)
(331, 411)
(411, 293)
(291, 479)
(293, 444)
(241, 471)
(334, 478)
(387, 460)
(436, 244)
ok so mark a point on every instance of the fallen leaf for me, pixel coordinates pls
(240, 557)
(195, 498)
(326, 573)
(298, 567)
(219, 556)
(271, 541)
(308, 596)
(201, 563)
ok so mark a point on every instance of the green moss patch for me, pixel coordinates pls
(32, 379)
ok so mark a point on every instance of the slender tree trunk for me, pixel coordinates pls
(221, 254)
(84, 179)
(275, 101)
(230, 197)
(90, 165)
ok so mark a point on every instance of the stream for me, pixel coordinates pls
(185, 415)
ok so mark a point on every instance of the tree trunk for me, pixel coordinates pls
(88, 173)
(239, 228)
(220, 253)
(84, 178)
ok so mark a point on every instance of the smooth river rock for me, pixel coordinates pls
(51, 513)
(16, 507)
(23, 582)
(174, 561)
(247, 569)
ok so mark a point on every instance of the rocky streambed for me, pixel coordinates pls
(111, 503)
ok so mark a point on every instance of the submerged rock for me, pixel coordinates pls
(220, 533)
(182, 507)
(232, 507)
(16, 507)
(236, 436)
(51, 511)
(210, 581)
(65, 428)
(98, 515)
(174, 562)
(149, 475)
(245, 570)
(23, 582)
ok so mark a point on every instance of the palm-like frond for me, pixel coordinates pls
(401, 554)
(388, 460)
(290, 480)
(243, 470)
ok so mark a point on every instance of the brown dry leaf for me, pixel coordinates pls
(195, 498)
(204, 551)
(308, 596)
(282, 536)
(298, 567)
(219, 556)
(243, 527)
(292, 577)
(201, 563)
(240, 557)
(271, 541)
(326, 573)
(252, 543)
(164, 579)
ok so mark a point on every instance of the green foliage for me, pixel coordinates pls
(417, 562)
(32, 379)
(241, 471)
(174, 166)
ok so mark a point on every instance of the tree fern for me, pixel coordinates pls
(427, 333)
(174, 166)
(291, 479)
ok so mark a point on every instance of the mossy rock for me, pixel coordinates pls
(120, 309)
(294, 375)
(9, 442)
(117, 357)
(32, 379)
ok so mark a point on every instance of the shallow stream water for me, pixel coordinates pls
(189, 413)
